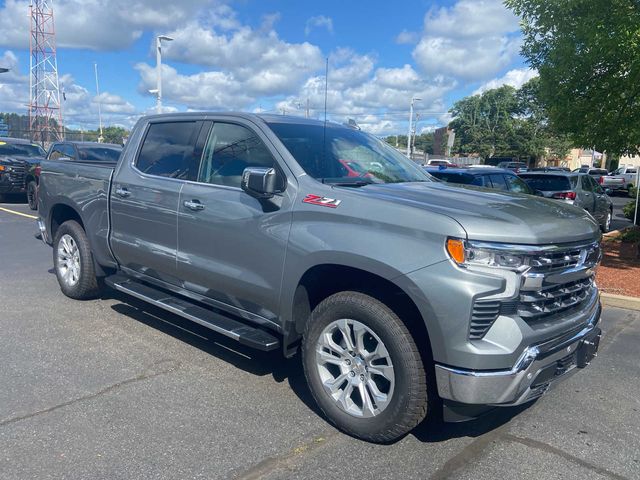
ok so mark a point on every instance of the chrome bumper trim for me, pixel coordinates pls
(514, 386)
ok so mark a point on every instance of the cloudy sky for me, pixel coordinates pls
(269, 55)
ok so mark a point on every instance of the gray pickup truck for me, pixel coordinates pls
(404, 295)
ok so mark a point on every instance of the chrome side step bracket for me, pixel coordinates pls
(241, 332)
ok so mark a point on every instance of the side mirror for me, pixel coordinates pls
(259, 182)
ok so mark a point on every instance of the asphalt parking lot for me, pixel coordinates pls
(113, 389)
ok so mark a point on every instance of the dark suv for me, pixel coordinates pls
(19, 160)
(494, 178)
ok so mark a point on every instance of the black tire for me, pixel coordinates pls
(87, 286)
(32, 195)
(408, 404)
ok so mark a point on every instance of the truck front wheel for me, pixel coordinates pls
(73, 262)
(363, 368)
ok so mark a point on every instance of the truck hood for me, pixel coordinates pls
(19, 159)
(489, 215)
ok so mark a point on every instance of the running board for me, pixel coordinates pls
(244, 334)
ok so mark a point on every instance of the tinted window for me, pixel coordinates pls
(497, 180)
(452, 177)
(632, 170)
(68, 150)
(321, 152)
(98, 154)
(548, 183)
(517, 185)
(23, 149)
(228, 151)
(481, 181)
(168, 150)
(587, 186)
(55, 152)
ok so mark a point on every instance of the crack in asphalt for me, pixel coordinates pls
(286, 460)
(468, 454)
(545, 447)
(149, 372)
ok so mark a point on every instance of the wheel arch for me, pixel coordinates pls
(324, 279)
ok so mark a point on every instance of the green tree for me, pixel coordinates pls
(424, 142)
(484, 124)
(588, 56)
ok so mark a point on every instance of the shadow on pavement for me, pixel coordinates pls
(14, 198)
(431, 430)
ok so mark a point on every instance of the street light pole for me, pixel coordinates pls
(413, 99)
(100, 138)
(159, 39)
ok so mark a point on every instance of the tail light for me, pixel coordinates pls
(601, 180)
(565, 195)
(38, 170)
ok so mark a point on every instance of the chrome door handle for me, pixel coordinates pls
(123, 192)
(193, 205)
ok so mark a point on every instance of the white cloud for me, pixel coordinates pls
(515, 78)
(407, 37)
(257, 58)
(319, 21)
(96, 25)
(472, 40)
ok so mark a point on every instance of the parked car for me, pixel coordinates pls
(399, 290)
(550, 169)
(494, 178)
(438, 163)
(602, 176)
(579, 189)
(85, 151)
(630, 175)
(517, 167)
(19, 160)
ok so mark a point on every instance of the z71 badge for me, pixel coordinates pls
(321, 201)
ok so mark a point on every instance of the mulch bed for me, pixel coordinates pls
(619, 272)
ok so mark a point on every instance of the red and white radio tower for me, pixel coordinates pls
(45, 110)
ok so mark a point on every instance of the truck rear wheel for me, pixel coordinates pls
(363, 368)
(32, 195)
(73, 262)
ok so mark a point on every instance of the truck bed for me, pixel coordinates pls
(85, 188)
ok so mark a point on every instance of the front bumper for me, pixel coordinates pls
(539, 366)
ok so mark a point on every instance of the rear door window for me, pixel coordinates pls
(498, 181)
(168, 150)
(587, 186)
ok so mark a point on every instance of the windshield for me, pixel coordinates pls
(98, 154)
(24, 149)
(349, 157)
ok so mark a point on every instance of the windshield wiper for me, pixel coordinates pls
(343, 183)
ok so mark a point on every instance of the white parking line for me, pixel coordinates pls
(18, 213)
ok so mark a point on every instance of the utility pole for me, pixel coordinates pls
(159, 39)
(307, 113)
(100, 137)
(413, 99)
(635, 215)
(415, 129)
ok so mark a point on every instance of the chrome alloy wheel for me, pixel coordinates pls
(355, 368)
(68, 260)
(607, 223)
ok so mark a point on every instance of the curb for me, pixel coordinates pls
(615, 233)
(620, 301)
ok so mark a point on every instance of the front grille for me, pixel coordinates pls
(548, 262)
(16, 175)
(553, 299)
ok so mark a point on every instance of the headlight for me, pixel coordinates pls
(466, 254)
